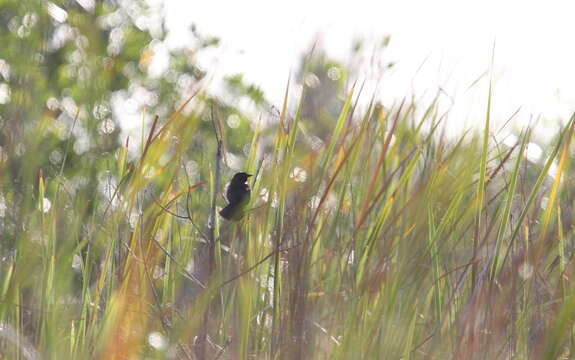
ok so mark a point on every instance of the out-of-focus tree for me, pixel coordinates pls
(324, 80)
(80, 77)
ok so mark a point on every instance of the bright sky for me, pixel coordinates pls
(435, 43)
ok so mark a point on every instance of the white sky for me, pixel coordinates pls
(453, 39)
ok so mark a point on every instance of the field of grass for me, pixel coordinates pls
(388, 241)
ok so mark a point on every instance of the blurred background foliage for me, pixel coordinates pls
(72, 73)
(76, 72)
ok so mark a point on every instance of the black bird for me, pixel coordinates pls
(238, 195)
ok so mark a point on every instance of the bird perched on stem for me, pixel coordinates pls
(238, 196)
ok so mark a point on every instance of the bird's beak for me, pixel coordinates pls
(249, 175)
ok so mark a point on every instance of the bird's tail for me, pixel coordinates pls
(232, 212)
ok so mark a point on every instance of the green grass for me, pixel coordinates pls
(398, 244)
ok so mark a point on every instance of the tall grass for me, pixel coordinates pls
(390, 241)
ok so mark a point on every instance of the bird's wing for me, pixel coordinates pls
(237, 194)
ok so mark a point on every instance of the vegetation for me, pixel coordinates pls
(370, 234)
